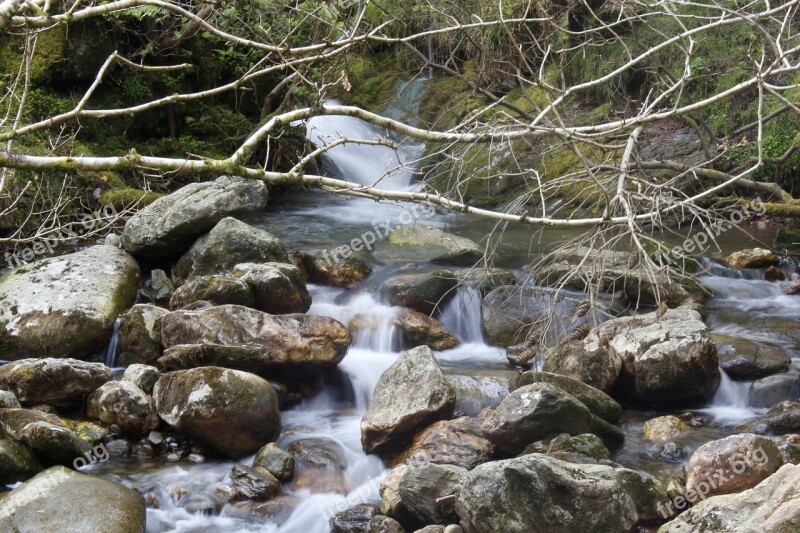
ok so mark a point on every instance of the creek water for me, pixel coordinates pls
(481, 374)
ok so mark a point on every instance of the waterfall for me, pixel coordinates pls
(730, 403)
(112, 351)
(462, 314)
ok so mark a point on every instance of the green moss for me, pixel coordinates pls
(49, 51)
(123, 198)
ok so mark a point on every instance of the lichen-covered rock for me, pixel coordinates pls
(228, 244)
(143, 376)
(61, 501)
(50, 440)
(326, 267)
(566, 445)
(278, 462)
(384, 524)
(485, 279)
(8, 399)
(231, 412)
(278, 288)
(217, 289)
(423, 292)
(59, 382)
(126, 405)
(664, 428)
(171, 223)
(772, 390)
(586, 361)
(17, 463)
(254, 483)
(779, 420)
(354, 520)
(425, 488)
(458, 442)
(749, 359)
(752, 258)
(267, 341)
(410, 395)
(424, 243)
(598, 402)
(139, 339)
(539, 494)
(65, 306)
(476, 388)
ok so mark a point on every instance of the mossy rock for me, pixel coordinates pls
(127, 197)
(49, 51)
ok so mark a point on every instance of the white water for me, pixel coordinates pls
(112, 351)
(731, 401)
(462, 314)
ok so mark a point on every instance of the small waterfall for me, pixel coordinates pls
(112, 351)
(462, 314)
(731, 401)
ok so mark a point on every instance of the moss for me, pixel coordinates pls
(125, 197)
(49, 51)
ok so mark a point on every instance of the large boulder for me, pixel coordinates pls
(410, 395)
(598, 402)
(217, 289)
(65, 306)
(231, 412)
(424, 243)
(266, 341)
(749, 359)
(772, 506)
(61, 501)
(173, 222)
(779, 420)
(126, 405)
(752, 258)
(58, 382)
(139, 339)
(426, 491)
(143, 376)
(229, 243)
(587, 360)
(458, 442)
(772, 390)
(539, 494)
(17, 463)
(278, 288)
(51, 441)
(424, 292)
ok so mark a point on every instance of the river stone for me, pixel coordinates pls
(139, 339)
(324, 267)
(565, 445)
(229, 243)
(354, 520)
(752, 258)
(245, 357)
(276, 461)
(458, 442)
(289, 341)
(410, 395)
(664, 428)
(779, 420)
(383, 524)
(424, 292)
(126, 405)
(539, 494)
(772, 390)
(159, 287)
(419, 329)
(772, 506)
(598, 402)
(732, 464)
(588, 361)
(319, 465)
(476, 389)
(749, 359)
(426, 244)
(789, 446)
(423, 484)
(51, 441)
(510, 313)
(65, 306)
(231, 412)
(143, 376)
(391, 504)
(485, 279)
(17, 463)
(278, 287)
(217, 289)
(61, 501)
(173, 222)
(59, 382)
(533, 412)
(7, 399)
(254, 483)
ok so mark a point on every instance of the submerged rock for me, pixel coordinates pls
(664, 429)
(424, 243)
(752, 258)
(217, 289)
(59, 382)
(126, 405)
(65, 306)
(278, 462)
(254, 483)
(423, 292)
(418, 329)
(278, 287)
(749, 359)
(231, 412)
(139, 338)
(410, 394)
(172, 222)
(320, 465)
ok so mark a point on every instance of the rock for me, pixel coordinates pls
(391, 504)
(774, 274)
(217, 289)
(609, 269)
(510, 314)
(599, 403)
(752, 258)
(586, 361)
(8, 400)
(663, 429)
(749, 359)
(410, 395)
(319, 465)
(277, 510)
(278, 287)
(769, 506)
(478, 389)
(423, 292)
(246, 357)
(61, 501)
(426, 244)
(289, 341)
(231, 412)
(532, 413)
(565, 445)
(431, 529)
(49, 439)
(354, 520)
(124, 404)
(17, 463)
(139, 339)
(793, 287)
(143, 376)
(485, 279)
(424, 489)
(159, 287)
(324, 267)
(780, 419)
(536, 493)
(419, 329)
(789, 446)
(276, 461)
(173, 222)
(732, 464)
(228, 244)
(458, 442)
(59, 382)
(65, 306)
(772, 390)
(384, 524)
(254, 483)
